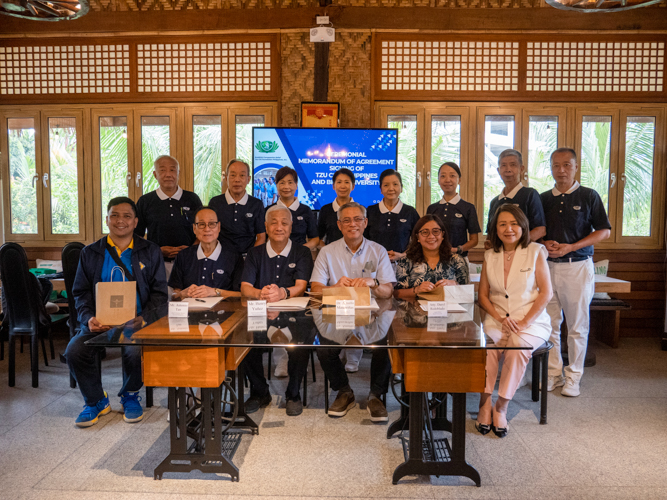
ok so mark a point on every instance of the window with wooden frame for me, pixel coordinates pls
(620, 150)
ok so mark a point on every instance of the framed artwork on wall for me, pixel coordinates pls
(320, 114)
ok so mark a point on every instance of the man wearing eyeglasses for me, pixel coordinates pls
(356, 262)
(166, 214)
(206, 270)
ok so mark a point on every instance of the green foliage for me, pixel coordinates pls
(244, 145)
(114, 166)
(63, 166)
(154, 143)
(407, 159)
(445, 146)
(637, 193)
(21, 172)
(542, 141)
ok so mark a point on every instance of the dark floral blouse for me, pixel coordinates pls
(409, 275)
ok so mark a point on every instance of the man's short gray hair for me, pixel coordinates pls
(275, 208)
(236, 160)
(352, 204)
(510, 152)
(165, 157)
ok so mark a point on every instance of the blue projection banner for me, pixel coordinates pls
(316, 154)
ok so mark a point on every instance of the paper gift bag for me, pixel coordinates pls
(458, 294)
(362, 317)
(115, 302)
(360, 295)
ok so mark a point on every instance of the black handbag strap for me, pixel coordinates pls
(114, 255)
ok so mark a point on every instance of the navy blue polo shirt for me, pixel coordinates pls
(304, 224)
(527, 199)
(327, 223)
(168, 220)
(264, 267)
(240, 223)
(392, 229)
(460, 218)
(222, 269)
(573, 215)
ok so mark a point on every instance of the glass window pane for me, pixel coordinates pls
(407, 155)
(638, 184)
(154, 143)
(207, 147)
(445, 146)
(113, 161)
(542, 141)
(595, 155)
(244, 125)
(22, 170)
(498, 136)
(63, 170)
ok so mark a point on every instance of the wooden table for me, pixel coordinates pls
(603, 284)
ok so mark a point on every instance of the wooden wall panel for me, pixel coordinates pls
(297, 77)
(350, 77)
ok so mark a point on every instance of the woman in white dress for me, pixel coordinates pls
(514, 291)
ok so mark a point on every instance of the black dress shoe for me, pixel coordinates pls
(254, 403)
(501, 432)
(483, 429)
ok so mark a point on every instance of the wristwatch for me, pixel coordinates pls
(218, 292)
(377, 283)
(287, 293)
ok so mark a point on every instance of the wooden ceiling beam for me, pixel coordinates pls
(412, 18)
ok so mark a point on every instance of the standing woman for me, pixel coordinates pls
(514, 290)
(304, 225)
(429, 262)
(390, 222)
(459, 216)
(327, 224)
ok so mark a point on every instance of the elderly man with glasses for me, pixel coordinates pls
(206, 270)
(356, 262)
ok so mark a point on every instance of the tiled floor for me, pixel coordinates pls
(609, 443)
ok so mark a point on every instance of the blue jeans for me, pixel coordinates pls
(83, 367)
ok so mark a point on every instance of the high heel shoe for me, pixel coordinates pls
(501, 432)
(483, 429)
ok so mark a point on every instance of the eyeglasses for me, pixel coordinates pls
(211, 225)
(356, 220)
(435, 232)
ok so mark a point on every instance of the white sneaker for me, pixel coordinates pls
(571, 388)
(555, 381)
(281, 368)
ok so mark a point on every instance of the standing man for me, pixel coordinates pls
(143, 263)
(168, 212)
(576, 220)
(276, 271)
(358, 262)
(511, 169)
(241, 216)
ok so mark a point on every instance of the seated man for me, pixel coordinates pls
(355, 261)
(142, 262)
(275, 271)
(206, 270)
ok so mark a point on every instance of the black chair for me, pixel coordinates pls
(541, 358)
(23, 307)
(305, 379)
(70, 260)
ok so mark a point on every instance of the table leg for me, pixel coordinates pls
(435, 458)
(242, 419)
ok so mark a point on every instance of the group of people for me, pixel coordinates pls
(538, 264)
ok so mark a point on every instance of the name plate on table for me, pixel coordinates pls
(256, 323)
(345, 322)
(436, 324)
(257, 308)
(437, 309)
(178, 309)
(345, 308)
(178, 324)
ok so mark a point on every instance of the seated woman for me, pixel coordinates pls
(514, 290)
(206, 270)
(429, 262)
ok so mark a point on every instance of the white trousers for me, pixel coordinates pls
(573, 286)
